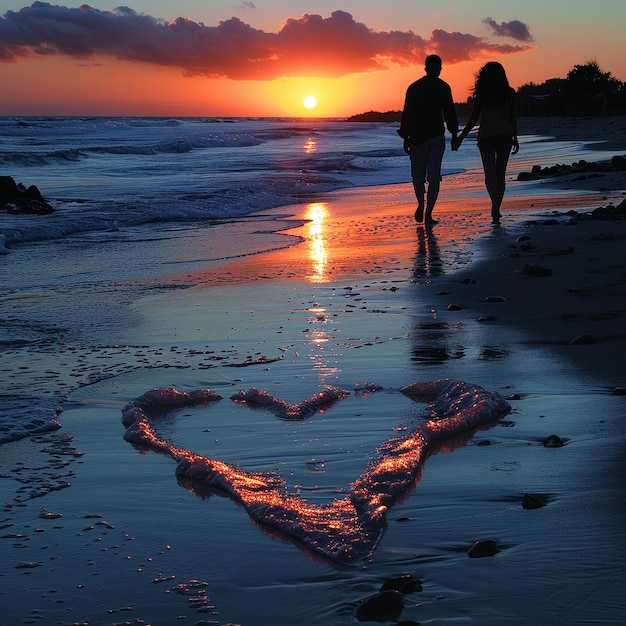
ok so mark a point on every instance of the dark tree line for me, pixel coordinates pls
(586, 91)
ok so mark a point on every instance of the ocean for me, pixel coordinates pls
(107, 174)
(104, 174)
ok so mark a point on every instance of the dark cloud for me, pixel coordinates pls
(308, 45)
(515, 29)
(456, 47)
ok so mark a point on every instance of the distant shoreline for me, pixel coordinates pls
(606, 128)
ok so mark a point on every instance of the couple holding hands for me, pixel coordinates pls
(428, 104)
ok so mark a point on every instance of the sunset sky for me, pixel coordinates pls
(264, 57)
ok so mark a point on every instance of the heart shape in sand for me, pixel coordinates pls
(348, 527)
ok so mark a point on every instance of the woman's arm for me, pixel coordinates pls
(513, 121)
(471, 122)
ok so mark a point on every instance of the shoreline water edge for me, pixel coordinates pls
(369, 420)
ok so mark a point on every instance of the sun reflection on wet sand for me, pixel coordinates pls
(347, 528)
(322, 352)
(316, 215)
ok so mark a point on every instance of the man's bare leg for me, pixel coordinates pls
(431, 199)
(419, 194)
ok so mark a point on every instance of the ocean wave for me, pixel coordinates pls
(108, 174)
(38, 159)
(75, 216)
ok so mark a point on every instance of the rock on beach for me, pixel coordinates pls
(17, 198)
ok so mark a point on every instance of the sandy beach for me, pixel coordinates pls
(97, 531)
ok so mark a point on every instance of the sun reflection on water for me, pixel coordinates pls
(321, 349)
(310, 146)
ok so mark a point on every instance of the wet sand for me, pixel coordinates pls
(94, 531)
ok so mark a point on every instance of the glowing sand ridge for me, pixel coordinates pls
(346, 528)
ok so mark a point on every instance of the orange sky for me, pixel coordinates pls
(65, 60)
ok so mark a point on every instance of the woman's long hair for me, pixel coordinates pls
(491, 82)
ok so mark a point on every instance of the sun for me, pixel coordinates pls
(310, 102)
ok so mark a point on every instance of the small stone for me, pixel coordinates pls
(454, 307)
(385, 606)
(619, 391)
(486, 547)
(496, 299)
(536, 270)
(553, 441)
(403, 584)
(532, 502)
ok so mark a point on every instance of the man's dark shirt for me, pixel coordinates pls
(428, 103)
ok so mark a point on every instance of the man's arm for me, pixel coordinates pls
(403, 131)
(449, 114)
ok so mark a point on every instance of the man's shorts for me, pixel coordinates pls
(426, 159)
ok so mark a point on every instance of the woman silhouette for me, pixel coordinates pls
(494, 110)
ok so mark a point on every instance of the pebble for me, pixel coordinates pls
(486, 547)
(532, 502)
(496, 299)
(43, 514)
(385, 606)
(536, 270)
(553, 441)
(404, 584)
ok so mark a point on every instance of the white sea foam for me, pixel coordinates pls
(347, 528)
(24, 416)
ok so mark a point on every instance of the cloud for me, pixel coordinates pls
(305, 46)
(515, 29)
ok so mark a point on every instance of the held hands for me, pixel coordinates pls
(455, 144)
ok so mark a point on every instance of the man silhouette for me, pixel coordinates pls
(428, 104)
